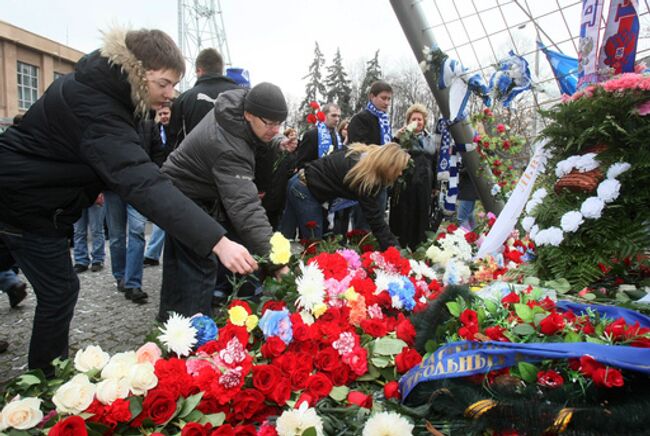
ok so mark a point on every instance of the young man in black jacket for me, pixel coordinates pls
(191, 106)
(77, 140)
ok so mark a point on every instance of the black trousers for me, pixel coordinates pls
(46, 262)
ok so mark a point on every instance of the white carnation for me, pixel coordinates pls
(91, 357)
(527, 223)
(112, 389)
(383, 279)
(617, 169)
(533, 231)
(592, 207)
(119, 365)
(532, 204)
(74, 396)
(540, 194)
(311, 286)
(21, 414)
(551, 236)
(571, 221)
(564, 167)
(587, 162)
(420, 269)
(387, 424)
(608, 190)
(296, 421)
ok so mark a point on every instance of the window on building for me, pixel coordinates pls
(27, 85)
(57, 75)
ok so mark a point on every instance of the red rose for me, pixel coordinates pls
(273, 347)
(451, 228)
(223, 430)
(607, 377)
(469, 317)
(266, 378)
(360, 399)
(311, 401)
(552, 324)
(588, 366)
(282, 392)
(246, 403)
(511, 298)
(340, 375)
(267, 430)
(311, 224)
(391, 390)
(588, 328)
(321, 116)
(616, 330)
(374, 327)
(160, 405)
(547, 304)
(273, 305)
(407, 359)
(194, 429)
(496, 334)
(440, 236)
(245, 430)
(298, 379)
(468, 332)
(471, 237)
(71, 426)
(319, 385)
(327, 359)
(314, 105)
(549, 379)
(311, 119)
(501, 128)
(405, 331)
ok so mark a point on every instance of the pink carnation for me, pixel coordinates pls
(623, 82)
(643, 109)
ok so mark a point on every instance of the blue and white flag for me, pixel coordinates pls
(565, 69)
(588, 45)
(511, 78)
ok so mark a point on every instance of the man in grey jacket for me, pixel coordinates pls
(215, 167)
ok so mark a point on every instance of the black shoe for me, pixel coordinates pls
(136, 295)
(120, 286)
(17, 293)
(150, 262)
(3, 346)
(96, 266)
(78, 268)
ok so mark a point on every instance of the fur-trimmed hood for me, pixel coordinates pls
(115, 50)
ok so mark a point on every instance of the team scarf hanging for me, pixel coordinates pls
(592, 11)
(618, 49)
(163, 135)
(384, 123)
(325, 143)
(448, 159)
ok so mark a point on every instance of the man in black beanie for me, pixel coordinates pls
(215, 167)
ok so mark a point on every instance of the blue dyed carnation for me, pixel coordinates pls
(277, 323)
(206, 329)
(404, 292)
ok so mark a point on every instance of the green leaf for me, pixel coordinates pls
(190, 404)
(560, 285)
(194, 416)
(589, 296)
(216, 419)
(372, 374)
(523, 329)
(135, 405)
(528, 371)
(454, 309)
(339, 393)
(27, 380)
(531, 281)
(388, 346)
(491, 307)
(431, 346)
(524, 312)
(380, 361)
(572, 337)
(311, 431)
(594, 340)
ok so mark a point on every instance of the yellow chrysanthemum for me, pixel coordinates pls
(238, 315)
(251, 322)
(319, 309)
(280, 249)
(350, 294)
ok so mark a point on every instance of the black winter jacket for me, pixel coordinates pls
(325, 181)
(191, 106)
(307, 150)
(364, 128)
(81, 138)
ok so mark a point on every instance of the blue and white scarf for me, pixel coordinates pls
(384, 123)
(325, 143)
(448, 158)
(163, 135)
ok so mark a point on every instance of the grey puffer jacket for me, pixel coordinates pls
(215, 167)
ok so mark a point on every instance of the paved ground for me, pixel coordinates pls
(102, 317)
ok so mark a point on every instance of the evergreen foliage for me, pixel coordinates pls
(338, 85)
(373, 73)
(315, 89)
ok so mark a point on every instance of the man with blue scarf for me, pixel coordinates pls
(322, 139)
(371, 125)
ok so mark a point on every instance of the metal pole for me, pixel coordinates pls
(419, 34)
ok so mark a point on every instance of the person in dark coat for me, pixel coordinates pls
(322, 139)
(412, 197)
(215, 167)
(359, 173)
(191, 106)
(78, 139)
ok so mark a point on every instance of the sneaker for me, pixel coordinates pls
(17, 293)
(79, 268)
(120, 286)
(3, 346)
(136, 295)
(96, 266)
(150, 262)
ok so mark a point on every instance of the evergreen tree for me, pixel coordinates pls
(315, 88)
(373, 73)
(338, 85)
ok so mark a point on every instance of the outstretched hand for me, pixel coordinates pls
(234, 256)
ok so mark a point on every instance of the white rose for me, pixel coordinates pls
(571, 221)
(592, 208)
(21, 414)
(119, 365)
(608, 190)
(527, 223)
(74, 396)
(92, 357)
(112, 389)
(617, 169)
(141, 378)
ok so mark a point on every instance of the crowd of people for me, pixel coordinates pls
(111, 146)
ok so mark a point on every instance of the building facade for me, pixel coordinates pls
(29, 63)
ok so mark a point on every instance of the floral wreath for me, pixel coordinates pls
(591, 208)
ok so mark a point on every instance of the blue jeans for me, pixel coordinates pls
(45, 261)
(93, 218)
(155, 244)
(126, 258)
(8, 279)
(465, 213)
(300, 208)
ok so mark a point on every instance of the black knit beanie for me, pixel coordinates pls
(266, 100)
